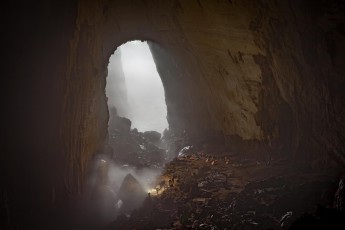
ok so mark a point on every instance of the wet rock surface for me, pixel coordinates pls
(201, 191)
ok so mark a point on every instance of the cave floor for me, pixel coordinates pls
(224, 192)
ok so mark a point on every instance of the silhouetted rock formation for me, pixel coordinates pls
(153, 137)
(131, 193)
(118, 123)
(133, 147)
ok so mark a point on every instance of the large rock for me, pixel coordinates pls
(133, 147)
(131, 193)
(152, 136)
(121, 124)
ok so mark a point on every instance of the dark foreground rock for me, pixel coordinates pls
(207, 192)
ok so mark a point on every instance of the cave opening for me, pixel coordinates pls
(135, 89)
(122, 177)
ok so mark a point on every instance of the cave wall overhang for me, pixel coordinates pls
(206, 63)
(238, 68)
(254, 71)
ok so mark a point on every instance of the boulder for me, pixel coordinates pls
(131, 193)
(152, 136)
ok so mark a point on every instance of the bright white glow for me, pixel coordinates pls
(145, 92)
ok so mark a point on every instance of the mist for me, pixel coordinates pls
(117, 172)
(139, 93)
(103, 198)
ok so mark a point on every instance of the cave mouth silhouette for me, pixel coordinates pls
(135, 88)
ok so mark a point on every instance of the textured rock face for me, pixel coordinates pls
(242, 69)
(301, 55)
(257, 73)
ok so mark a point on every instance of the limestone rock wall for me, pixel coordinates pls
(303, 51)
(260, 74)
(256, 72)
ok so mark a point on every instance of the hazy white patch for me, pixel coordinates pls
(144, 88)
(101, 195)
(146, 177)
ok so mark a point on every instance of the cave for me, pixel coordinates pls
(253, 89)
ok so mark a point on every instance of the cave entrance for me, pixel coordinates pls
(137, 108)
(137, 117)
(135, 89)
